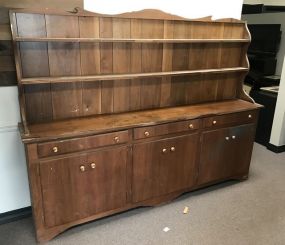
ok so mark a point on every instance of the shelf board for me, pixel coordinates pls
(112, 122)
(129, 40)
(37, 80)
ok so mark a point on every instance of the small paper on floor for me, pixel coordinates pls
(166, 229)
(186, 210)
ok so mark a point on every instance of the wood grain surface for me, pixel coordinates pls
(127, 110)
(112, 77)
(8, 74)
(105, 123)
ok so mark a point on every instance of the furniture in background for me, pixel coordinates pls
(262, 57)
(264, 125)
(128, 110)
(262, 54)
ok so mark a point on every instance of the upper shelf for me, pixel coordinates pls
(36, 80)
(129, 40)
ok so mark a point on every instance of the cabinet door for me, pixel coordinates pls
(241, 138)
(225, 153)
(77, 187)
(163, 166)
(216, 152)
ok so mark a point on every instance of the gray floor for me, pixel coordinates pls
(249, 212)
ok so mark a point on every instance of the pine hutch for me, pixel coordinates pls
(128, 110)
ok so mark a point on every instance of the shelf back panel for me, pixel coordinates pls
(48, 102)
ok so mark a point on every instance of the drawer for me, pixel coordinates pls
(167, 128)
(233, 118)
(77, 144)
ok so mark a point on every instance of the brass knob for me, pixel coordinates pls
(82, 168)
(93, 165)
(164, 150)
(146, 133)
(116, 139)
(227, 138)
(191, 125)
(249, 116)
(172, 148)
(55, 149)
(214, 122)
(233, 137)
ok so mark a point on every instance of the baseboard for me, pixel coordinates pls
(275, 148)
(15, 215)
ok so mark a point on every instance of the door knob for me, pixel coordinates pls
(146, 133)
(116, 139)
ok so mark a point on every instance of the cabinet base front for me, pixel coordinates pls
(46, 234)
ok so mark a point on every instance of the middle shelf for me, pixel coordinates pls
(89, 78)
(130, 40)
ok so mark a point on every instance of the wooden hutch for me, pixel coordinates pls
(128, 110)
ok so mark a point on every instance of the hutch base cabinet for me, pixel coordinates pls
(128, 110)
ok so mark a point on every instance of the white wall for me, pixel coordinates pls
(188, 9)
(278, 128)
(14, 191)
(9, 107)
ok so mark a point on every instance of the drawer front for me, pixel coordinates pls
(233, 118)
(168, 128)
(73, 145)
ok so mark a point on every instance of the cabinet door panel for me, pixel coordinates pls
(215, 152)
(225, 153)
(146, 161)
(178, 168)
(71, 194)
(242, 139)
(109, 176)
(156, 172)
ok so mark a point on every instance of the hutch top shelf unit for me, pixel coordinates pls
(82, 64)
